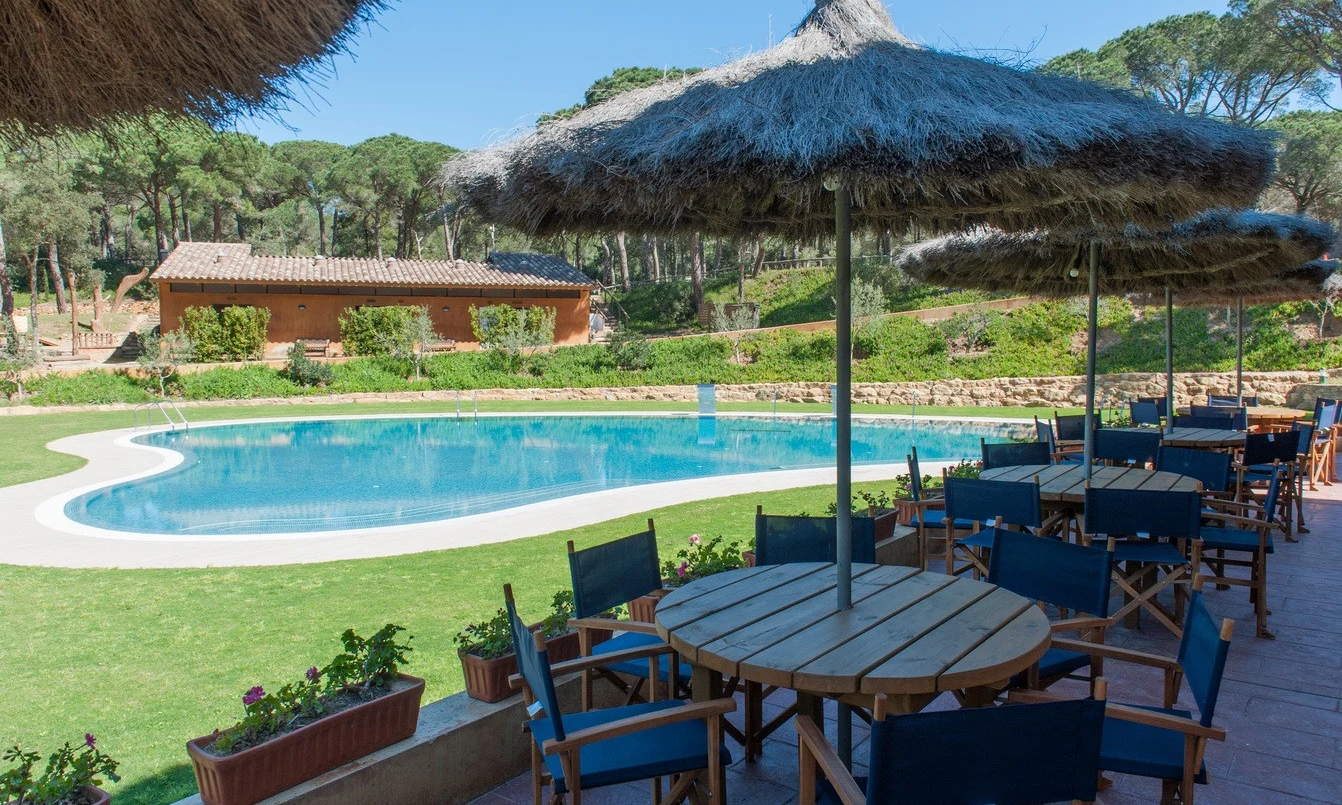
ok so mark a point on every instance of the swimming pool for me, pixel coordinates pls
(367, 473)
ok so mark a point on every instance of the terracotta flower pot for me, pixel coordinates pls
(96, 796)
(279, 764)
(487, 680)
(644, 608)
(748, 557)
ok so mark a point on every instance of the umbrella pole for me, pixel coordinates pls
(843, 407)
(1092, 335)
(843, 442)
(1169, 359)
(1239, 352)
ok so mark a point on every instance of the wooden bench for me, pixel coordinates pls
(314, 347)
(434, 347)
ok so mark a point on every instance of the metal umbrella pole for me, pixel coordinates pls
(843, 438)
(1092, 327)
(1169, 360)
(1239, 352)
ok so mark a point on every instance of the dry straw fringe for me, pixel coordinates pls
(924, 138)
(77, 64)
(1212, 252)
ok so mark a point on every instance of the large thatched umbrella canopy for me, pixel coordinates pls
(1213, 254)
(917, 135)
(1211, 250)
(77, 63)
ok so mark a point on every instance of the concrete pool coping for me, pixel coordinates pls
(37, 533)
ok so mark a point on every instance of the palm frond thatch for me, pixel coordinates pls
(1219, 248)
(1311, 281)
(922, 137)
(76, 64)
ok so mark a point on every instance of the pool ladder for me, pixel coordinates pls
(164, 407)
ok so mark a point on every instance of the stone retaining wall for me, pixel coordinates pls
(1274, 388)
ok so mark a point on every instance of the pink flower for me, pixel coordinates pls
(313, 674)
(680, 571)
(694, 539)
(89, 740)
(254, 695)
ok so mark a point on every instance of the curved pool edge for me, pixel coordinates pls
(43, 536)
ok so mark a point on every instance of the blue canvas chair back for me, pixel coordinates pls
(1211, 469)
(979, 500)
(1144, 413)
(1159, 402)
(1229, 400)
(1044, 433)
(1063, 574)
(1264, 448)
(1132, 512)
(915, 476)
(1202, 655)
(1239, 418)
(1012, 454)
(1021, 754)
(786, 540)
(1273, 491)
(1326, 416)
(1306, 431)
(534, 665)
(1071, 427)
(1209, 422)
(1319, 403)
(607, 575)
(1127, 445)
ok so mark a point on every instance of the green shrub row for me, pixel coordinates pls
(1038, 340)
(233, 333)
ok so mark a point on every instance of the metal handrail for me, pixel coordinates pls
(162, 406)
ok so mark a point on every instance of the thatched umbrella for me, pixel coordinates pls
(847, 122)
(78, 63)
(1208, 254)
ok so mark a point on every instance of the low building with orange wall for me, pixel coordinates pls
(307, 295)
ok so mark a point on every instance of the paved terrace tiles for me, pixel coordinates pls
(1281, 700)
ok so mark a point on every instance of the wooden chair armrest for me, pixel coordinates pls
(1115, 653)
(626, 726)
(934, 504)
(516, 681)
(610, 624)
(811, 740)
(1237, 505)
(1022, 696)
(1252, 522)
(1151, 718)
(1080, 624)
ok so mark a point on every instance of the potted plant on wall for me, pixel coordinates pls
(486, 648)
(357, 704)
(702, 558)
(72, 776)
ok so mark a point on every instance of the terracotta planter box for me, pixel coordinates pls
(487, 680)
(96, 796)
(643, 608)
(262, 771)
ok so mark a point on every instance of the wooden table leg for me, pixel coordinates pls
(844, 734)
(705, 684)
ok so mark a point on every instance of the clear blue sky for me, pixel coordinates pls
(468, 73)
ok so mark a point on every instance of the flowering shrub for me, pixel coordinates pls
(365, 666)
(68, 771)
(702, 558)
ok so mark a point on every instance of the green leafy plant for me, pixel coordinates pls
(305, 371)
(234, 333)
(374, 331)
(630, 351)
(702, 558)
(68, 771)
(16, 357)
(966, 469)
(492, 639)
(510, 334)
(160, 355)
(358, 674)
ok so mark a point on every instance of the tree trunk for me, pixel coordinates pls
(741, 281)
(54, 270)
(6, 287)
(155, 201)
(321, 229)
(656, 262)
(186, 218)
(128, 238)
(697, 269)
(74, 315)
(608, 262)
(218, 213)
(172, 215)
(108, 233)
(759, 258)
(32, 302)
(624, 260)
(645, 260)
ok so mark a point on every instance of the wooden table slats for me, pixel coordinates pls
(1203, 438)
(733, 648)
(919, 666)
(1067, 484)
(909, 633)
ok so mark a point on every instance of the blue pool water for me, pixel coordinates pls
(278, 477)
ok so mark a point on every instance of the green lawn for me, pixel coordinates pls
(148, 659)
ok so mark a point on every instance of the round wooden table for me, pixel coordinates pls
(910, 635)
(1203, 438)
(1066, 483)
(1259, 415)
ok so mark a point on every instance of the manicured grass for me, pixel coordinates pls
(148, 659)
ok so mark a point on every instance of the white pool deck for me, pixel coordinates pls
(35, 532)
